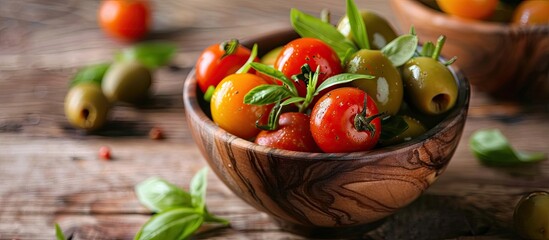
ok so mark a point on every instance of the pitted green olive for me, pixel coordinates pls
(379, 30)
(430, 86)
(386, 88)
(415, 129)
(86, 107)
(127, 82)
(531, 216)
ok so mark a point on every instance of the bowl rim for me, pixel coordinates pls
(424, 12)
(453, 117)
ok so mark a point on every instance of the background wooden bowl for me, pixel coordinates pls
(507, 61)
(318, 194)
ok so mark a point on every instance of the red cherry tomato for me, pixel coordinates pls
(532, 12)
(311, 51)
(292, 134)
(128, 20)
(229, 110)
(215, 63)
(472, 9)
(334, 121)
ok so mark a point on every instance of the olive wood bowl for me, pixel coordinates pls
(325, 194)
(507, 61)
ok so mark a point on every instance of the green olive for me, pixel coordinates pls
(127, 82)
(386, 88)
(379, 30)
(415, 129)
(86, 107)
(531, 216)
(270, 57)
(429, 85)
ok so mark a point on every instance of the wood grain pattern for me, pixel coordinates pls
(50, 173)
(504, 60)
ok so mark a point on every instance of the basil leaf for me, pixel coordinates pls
(392, 126)
(292, 100)
(266, 94)
(401, 49)
(197, 189)
(272, 72)
(90, 74)
(308, 26)
(208, 217)
(159, 195)
(339, 79)
(59, 233)
(492, 148)
(150, 54)
(177, 223)
(358, 28)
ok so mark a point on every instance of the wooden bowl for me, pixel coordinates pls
(507, 61)
(321, 194)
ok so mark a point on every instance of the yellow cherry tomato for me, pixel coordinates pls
(229, 110)
(532, 12)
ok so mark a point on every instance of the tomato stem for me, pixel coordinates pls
(363, 122)
(246, 67)
(229, 47)
(438, 48)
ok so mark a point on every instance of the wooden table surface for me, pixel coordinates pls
(51, 173)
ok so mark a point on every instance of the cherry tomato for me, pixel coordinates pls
(128, 20)
(229, 110)
(311, 51)
(215, 63)
(472, 9)
(292, 134)
(340, 124)
(532, 12)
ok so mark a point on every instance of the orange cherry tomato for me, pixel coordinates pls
(127, 20)
(229, 110)
(472, 9)
(532, 12)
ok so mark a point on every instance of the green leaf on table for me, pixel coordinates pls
(150, 54)
(309, 26)
(358, 28)
(401, 49)
(59, 235)
(197, 189)
(176, 223)
(491, 147)
(90, 74)
(159, 195)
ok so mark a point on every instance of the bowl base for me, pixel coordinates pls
(354, 232)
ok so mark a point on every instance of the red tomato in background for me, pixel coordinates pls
(128, 20)
(313, 52)
(472, 9)
(211, 67)
(229, 110)
(292, 134)
(333, 121)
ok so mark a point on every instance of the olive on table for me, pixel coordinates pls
(429, 84)
(379, 30)
(86, 107)
(127, 82)
(531, 216)
(415, 129)
(386, 88)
